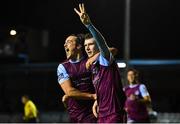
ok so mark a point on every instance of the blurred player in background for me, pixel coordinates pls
(30, 110)
(138, 99)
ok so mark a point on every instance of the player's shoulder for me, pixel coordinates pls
(62, 66)
(29, 102)
(142, 85)
(83, 60)
(64, 62)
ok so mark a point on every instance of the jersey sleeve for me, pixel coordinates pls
(143, 90)
(100, 40)
(103, 61)
(62, 74)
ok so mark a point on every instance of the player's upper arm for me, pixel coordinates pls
(63, 79)
(62, 74)
(100, 41)
(144, 92)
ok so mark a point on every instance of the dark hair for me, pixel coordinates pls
(136, 74)
(26, 96)
(80, 41)
(80, 38)
(88, 36)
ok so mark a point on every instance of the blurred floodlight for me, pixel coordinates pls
(121, 64)
(13, 32)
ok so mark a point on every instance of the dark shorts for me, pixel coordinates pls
(114, 118)
(86, 119)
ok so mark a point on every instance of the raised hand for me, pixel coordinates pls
(83, 15)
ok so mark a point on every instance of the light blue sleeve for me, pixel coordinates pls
(104, 62)
(62, 74)
(100, 40)
(143, 90)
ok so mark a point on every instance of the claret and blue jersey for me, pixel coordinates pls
(81, 79)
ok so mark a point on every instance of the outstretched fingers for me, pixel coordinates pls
(80, 8)
(83, 8)
(77, 11)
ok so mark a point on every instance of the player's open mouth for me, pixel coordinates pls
(67, 50)
(88, 52)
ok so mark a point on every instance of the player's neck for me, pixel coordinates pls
(132, 83)
(77, 57)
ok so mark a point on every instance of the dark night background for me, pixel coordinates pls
(154, 35)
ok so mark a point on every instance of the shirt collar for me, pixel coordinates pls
(76, 61)
(133, 85)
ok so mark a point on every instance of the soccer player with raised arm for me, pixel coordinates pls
(105, 74)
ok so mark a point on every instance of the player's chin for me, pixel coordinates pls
(90, 55)
(68, 56)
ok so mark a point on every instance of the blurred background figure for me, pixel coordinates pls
(14, 48)
(6, 48)
(30, 110)
(137, 100)
(153, 115)
(21, 49)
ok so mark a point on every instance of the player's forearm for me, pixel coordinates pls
(145, 101)
(76, 94)
(103, 47)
